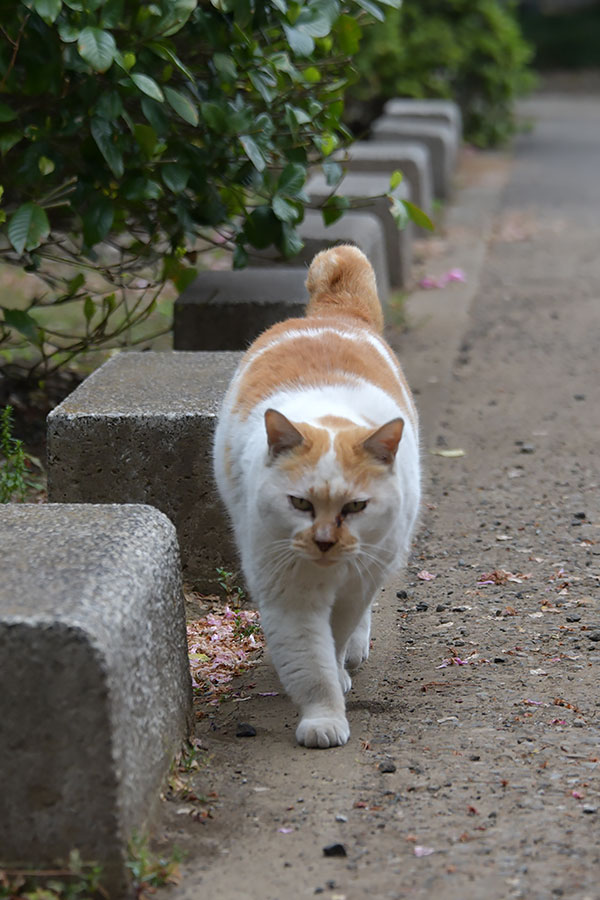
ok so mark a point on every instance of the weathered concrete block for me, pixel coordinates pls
(439, 138)
(228, 310)
(95, 694)
(360, 228)
(140, 430)
(387, 156)
(364, 186)
(437, 110)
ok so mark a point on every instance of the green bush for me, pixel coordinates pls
(470, 51)
(131, 131)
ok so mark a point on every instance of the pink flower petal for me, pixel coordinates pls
(423, 851)
(425, 575)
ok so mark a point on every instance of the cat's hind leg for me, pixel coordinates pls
(351, 625)
(357, 649)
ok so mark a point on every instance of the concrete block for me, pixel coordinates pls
(140, 430)
(434, 109)
(228, 310)
(386, 156)
(360, 228)
(95, 694)
(364, 186)
(439, 138)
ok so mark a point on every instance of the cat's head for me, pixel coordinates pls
(330, 489)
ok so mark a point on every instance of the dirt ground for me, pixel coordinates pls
(473, 766)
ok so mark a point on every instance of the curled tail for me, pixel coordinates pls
(341, 281)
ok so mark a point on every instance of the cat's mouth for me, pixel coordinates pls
(325, 561)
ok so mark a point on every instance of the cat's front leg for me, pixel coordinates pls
(302, 648)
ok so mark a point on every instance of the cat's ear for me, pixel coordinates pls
(383, 443)
(281, 434)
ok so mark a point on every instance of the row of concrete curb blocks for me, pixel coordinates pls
(140, 430)
(227, 310)
(360, 228)
(359, 185)
(95, 694)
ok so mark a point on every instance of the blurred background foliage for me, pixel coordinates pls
(471, 51)
(135, 135)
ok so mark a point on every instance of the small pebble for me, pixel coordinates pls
(527, 448)
(594, 636)
(341, 818)
(440, 607)
(422, 607)
(579, 396)
(245, 730)
(590, 810)
(334, 850)
(573, 618)
(475, 757)
(387, 766)
(499, 659)
(401, 595)
(579, 515)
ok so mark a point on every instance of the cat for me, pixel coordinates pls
(316, 457)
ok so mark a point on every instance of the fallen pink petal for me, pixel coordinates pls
(423, 851)
(425, 575)
(285, 830)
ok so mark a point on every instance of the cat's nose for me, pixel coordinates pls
(324, 546)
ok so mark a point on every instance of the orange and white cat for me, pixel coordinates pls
(317, 459)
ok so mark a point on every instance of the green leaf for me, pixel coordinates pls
(333, 173)
(47, 10)
(68, 32)
(167, 54)
(175, 176)
(182, 105)
(148, 86)
(28, 227)
(104, 138)
(22, 322)
(45, 165)
(109, 105)
(284, 210)
(225, 66)
(75, 283)
(291, 243)
(215, 117)
(417, 216)
(89, 308)
(262, 227)
(348, 33)
(98, 220)
(240, 257)
(253, 152)
(399, 211)
(334, 209)
(396, 179)
(8, 141)
(373, 9)
(146, 137)
(97, 48)
(301, 43)
(6, 113)
(292, 180)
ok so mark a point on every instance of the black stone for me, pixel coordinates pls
(245, 730)
(421, 606)
(334, 850)
(401, 595)
(387, 766)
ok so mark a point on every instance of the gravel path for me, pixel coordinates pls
(473, 767)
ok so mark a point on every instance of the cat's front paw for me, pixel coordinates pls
(323, 732)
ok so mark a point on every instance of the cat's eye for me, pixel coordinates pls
(302, 504)
(354, 506)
